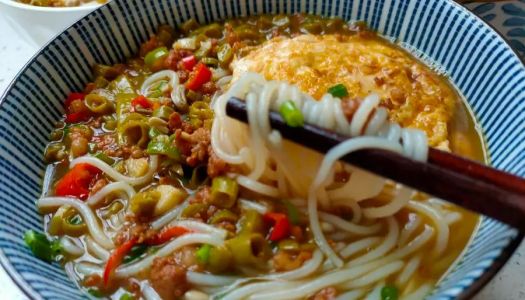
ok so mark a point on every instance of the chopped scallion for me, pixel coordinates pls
(291, 114)
(338, 90)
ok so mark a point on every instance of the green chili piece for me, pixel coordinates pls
(120, 85)
(204, 49)
(127, 296)
(135, 253)
(224, 54)
(134, 130)
(163, 112)
(223, 215)
(210, 61)
(143, 203)
(153, 133)
(203, 254)
(66, 222)
(109, 124)
(98, 104)
(224, 191)
(103, 157)
(220, 259)
(293, 212)
(291, 114)
(247, 32)
(389, 292)
(249, 249)
(159, 89)
(95, 293)
(162, 144)
(193, 209)
(154, 56)
(252, 221)
(100, 82)
(338, 90)
(41, 246)
(189, 26)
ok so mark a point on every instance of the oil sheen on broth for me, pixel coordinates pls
(132, 117)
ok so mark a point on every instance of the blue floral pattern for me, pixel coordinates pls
(506, 16)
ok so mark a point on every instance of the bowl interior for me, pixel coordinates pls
(487, 72)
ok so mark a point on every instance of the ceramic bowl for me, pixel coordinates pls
(37, 25)
(477, 60)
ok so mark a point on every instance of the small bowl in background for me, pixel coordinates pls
(36, 24)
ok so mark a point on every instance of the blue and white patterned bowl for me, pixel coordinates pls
(482, 66)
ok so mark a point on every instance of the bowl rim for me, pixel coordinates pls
(488, 274)
(45, 9)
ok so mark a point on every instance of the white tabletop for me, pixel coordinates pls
(509, 284)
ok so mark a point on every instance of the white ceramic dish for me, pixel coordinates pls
(37, 25)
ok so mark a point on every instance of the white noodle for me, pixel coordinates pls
(149, 292)
(187, 239)
(96, 250)
(348, 226)
(351, 295)
(87, 268)
(439, 222)
(252, 205)
(72, 246)
(420, 293)
(359, 246)
(114, 174)
(168, 217)
(200, 227)
(87, 214)
(409, 270)
(110, 189)
(209, 279)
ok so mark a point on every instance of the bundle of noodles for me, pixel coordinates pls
(379, 247)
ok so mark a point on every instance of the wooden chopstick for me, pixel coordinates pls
(467, 183)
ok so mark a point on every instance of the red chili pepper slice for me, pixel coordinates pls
(76, 182)
(189, 62)
(166, 235)
(72, 97)
(77, 117)
(200, 75)
(116, 258)
(141, 101)
(281, 225)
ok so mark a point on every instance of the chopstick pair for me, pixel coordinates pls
(467, 183)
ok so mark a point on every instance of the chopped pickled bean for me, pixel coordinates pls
(252, 221)
(143, 204)
(224, 191)
(249, 249)
(223, 215)
(220, 259)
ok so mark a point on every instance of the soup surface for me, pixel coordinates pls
(153, 195)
